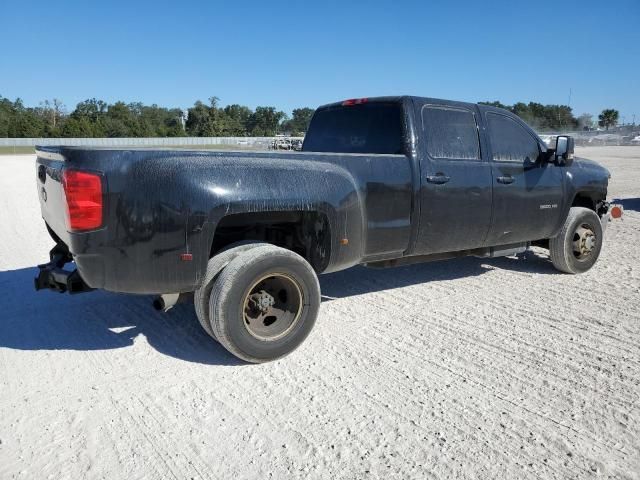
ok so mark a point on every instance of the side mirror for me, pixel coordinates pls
(564, 149)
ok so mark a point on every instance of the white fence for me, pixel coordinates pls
(247, 142)
(592, 139)
(582, 138)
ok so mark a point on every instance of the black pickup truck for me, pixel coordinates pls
(381, 181)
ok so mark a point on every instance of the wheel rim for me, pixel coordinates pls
(584, 241)
(272, 307)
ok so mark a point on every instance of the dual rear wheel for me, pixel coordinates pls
(258, 300)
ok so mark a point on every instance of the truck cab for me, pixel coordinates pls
(481, 177)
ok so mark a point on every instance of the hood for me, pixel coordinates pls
(590, 166)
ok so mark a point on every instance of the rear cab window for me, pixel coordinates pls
(370, 127)
(451, 133)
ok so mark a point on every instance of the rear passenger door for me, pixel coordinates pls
(455, 193)
(527, 191)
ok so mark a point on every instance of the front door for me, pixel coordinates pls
(455, 193)
(527, 191)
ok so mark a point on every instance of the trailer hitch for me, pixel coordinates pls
(52, 276)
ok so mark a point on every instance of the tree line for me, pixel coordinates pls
(97, 118)
(557, 117)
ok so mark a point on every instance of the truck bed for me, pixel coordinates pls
(162, 207)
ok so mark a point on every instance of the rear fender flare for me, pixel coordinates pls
(294, 186)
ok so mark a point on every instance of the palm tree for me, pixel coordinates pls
(608, 118)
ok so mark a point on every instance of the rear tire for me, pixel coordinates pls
(216, 264)
(264, 303)
(577, 247)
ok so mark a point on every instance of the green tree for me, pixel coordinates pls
(155, 121)
(217, 119)
(77, 127)
(7, 115)
(608, 118)
(539, 116)
(173, 126)
(495, 103)
(237, 119)
(28, 125)
(90, 118)
(264, 121)
(53, 113)
(86, 120)
(526, 112)
(92, 108)
(26, 122)
(197, 120)
(300, 120)
(114, 128)
(120, 121)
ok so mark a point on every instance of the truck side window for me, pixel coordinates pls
(450, 133)
(510, 142)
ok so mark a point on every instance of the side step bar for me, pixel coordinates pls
(53, 277)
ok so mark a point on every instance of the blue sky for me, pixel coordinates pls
(291, 54)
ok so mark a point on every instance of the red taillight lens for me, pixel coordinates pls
(354, 101)
(84, 200)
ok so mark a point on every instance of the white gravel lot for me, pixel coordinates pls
(473, 368)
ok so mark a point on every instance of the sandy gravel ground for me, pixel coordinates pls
(495, 369)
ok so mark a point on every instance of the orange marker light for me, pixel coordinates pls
(616, 211)
(344, 241)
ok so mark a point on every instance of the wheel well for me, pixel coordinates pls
(584, 200)
(306, 233)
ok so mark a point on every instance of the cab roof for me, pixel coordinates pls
(395, 99)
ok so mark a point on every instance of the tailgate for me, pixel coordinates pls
(49, 167)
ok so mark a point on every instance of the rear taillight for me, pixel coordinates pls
(83, 192)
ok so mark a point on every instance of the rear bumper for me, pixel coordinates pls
(137, 267)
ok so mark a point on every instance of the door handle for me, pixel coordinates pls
(438, 178)
(507, 179)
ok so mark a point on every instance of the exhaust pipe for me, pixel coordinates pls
(166, 301)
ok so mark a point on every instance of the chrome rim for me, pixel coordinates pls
(272, 306)
(584, 241)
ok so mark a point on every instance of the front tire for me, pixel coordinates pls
(577, 247)
(264, 304)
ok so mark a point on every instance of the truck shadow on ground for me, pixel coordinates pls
(102, 320)
(361, 280)
(628, 203)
